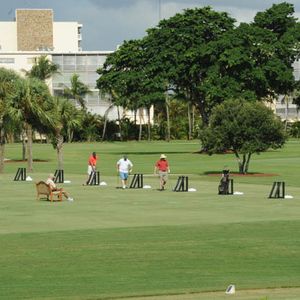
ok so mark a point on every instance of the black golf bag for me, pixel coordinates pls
(224, 183)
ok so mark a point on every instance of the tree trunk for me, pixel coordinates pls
(286, 98)
(141, 125)
(23, 144)
(247, 163)
(244, 163)
(29, 147)
(2, 148)
(105, 121)
(189, 121)
(119, 123)
(195, 97)
(10, 138)
(59, 151)
(149, 124)
(134, 120)
(240, 163)
(168, 119)
(104, 129)
(68, 135)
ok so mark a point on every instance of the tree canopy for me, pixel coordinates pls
(43, 68)
(243, 127)
(206, 59)
(77, 91)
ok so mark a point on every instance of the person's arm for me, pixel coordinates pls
(94, 166)
(118, 167)
(130, 167)
(52, 185)
(155, 169)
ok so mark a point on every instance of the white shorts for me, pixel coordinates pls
(90, 170)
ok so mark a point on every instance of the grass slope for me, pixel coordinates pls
(111, 243)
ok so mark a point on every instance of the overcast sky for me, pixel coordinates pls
(107, 23)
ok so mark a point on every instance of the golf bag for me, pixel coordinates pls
(224, 183)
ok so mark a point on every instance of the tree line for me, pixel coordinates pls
(205, 59)
(203, 74)
(26, 105)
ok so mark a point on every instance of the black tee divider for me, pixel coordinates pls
(59, 176)
(278, 190)
(182, 184)
(20, 175)
(94, 178)
(137, 181)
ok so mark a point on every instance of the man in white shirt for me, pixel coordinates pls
(51, 183)
(124, 167)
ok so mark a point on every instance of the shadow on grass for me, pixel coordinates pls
(151, 153)
(21, 160)
(250, 174)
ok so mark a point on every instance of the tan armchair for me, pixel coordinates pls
(44, 191)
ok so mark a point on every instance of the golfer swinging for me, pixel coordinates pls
(162, 168)
(91, 165)
(124, 167)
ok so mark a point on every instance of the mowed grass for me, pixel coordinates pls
(112, 243)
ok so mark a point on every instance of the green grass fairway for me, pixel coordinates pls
(143, 244)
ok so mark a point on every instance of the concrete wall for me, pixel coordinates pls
(8, 36)
(34, 29)
(65, 36)
(20, 62)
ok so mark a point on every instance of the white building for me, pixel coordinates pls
(284, 107)
(35, 30)
(34, 33)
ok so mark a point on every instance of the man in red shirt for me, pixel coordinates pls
(162, 168)
(91, 165)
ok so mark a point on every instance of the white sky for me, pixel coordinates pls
(107, 23)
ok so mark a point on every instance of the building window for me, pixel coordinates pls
(7, 60)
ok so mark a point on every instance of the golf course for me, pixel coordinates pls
(146, 244)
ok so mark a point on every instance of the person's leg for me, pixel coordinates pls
(89, 171)
(160, 180)
(65, 194)
(125, 179)
(164, 180)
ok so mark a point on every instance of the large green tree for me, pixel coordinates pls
(126, 76)
(204, 59)
(65, 117)
(254, 61)
(30, 105)
(177, 51)
(42, 69)
(243, 127)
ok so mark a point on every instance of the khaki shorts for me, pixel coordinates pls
(163, 175)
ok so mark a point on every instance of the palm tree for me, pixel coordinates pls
(77, 91)
(7, 80)
(42, 69)
(65, 116)
(30, 105)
